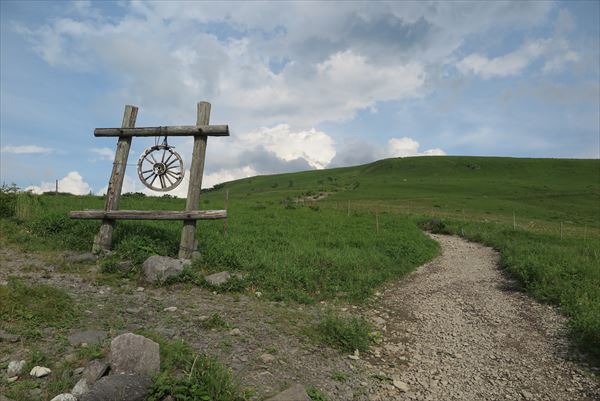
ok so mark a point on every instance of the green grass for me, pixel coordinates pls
(344, 333)
(27, 309)
(188, 376)
(293, 248)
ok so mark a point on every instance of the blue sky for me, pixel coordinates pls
(302, 84)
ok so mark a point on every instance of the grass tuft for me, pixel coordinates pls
(344, 333)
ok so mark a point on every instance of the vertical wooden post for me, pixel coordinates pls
(56, 188)
(226, 205)
(188, 242)
(103, 240)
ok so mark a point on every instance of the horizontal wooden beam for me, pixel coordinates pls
(149, 215)
(175, 130)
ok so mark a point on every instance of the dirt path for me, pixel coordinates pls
(455, 330)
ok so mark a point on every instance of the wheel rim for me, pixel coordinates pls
(160, 168)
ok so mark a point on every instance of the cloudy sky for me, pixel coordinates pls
(302, 85)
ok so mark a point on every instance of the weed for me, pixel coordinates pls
(315, 394)
(339, 376)
(345, 334)
(215, 321)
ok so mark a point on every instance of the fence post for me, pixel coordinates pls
(226, 205)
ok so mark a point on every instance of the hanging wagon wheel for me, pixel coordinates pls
(160, 168)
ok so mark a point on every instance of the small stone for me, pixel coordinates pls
(218, 279)
(12, 379)
(7, 337)
(64, 397)
(132, 353)
(526, 395)
(170, 309)
(15, 368)
(133, 311)
(400, 385)
(39, 371)
(355, 356)
(267, 358)
(140, 289)
(235, 332)
(94, 371)
(82, 387)
(89, 337)
(258, 294)
(379, 321)
(294, 393)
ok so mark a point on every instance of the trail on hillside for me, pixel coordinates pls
(457, 330)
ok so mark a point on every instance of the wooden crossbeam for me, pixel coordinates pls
(175, 130)
(149, 214)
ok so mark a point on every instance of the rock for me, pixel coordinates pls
(355, 356)
(267, 358)
(39, 371)
(159, 268)
(89, 337)
(7, 337)
(527, 395)
(94, 371)
(119, 388)
(218, 279)
(82, 387)
(133, 311)
(294, 393)
(400, 385)
(379, 321)
(15, 368)
(12, 379)
(64, 397)
(81, 258)
(170, 309)
(140, 289)
(131, 353)
(235, 332)
(78, 371)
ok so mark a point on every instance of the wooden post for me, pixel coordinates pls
(188, 234)
(56, 188)
(103, 240)
(226, 204)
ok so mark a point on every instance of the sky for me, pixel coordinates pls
(302, 85)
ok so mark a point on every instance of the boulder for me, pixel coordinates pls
(119, 388)
(132, 353)
(294, 393)
(157, 269)
(39, 371)
(15, 368)
(218, 279)
(89, 337)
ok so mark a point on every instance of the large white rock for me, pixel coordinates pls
(131, 353)
(64, 397)
(157, 269)
(39, 371)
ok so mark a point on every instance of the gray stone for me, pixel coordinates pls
(119, 388)
(81, 258)
(15, 368)
(89, 337)
(40, 371)
(7, 337)
(218, 279)
(294, 393)
(82, 387)
(131, 353)
(64, 397)
(94, 371)
(157, 269)
(267, 358)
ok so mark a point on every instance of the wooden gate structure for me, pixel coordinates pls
(201, 131)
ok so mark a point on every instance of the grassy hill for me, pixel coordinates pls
(340, 233)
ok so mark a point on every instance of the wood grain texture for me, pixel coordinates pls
(149, 214)
(188, 242)
(103, 240)
(176, 130)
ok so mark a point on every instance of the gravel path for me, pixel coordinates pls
(455, 330)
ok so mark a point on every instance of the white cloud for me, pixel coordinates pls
(406, 147)
(314, 146)
(218, 177)
(26, 149)
(72, 183)
(104, 153)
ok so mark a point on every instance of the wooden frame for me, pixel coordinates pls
(200, 132)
